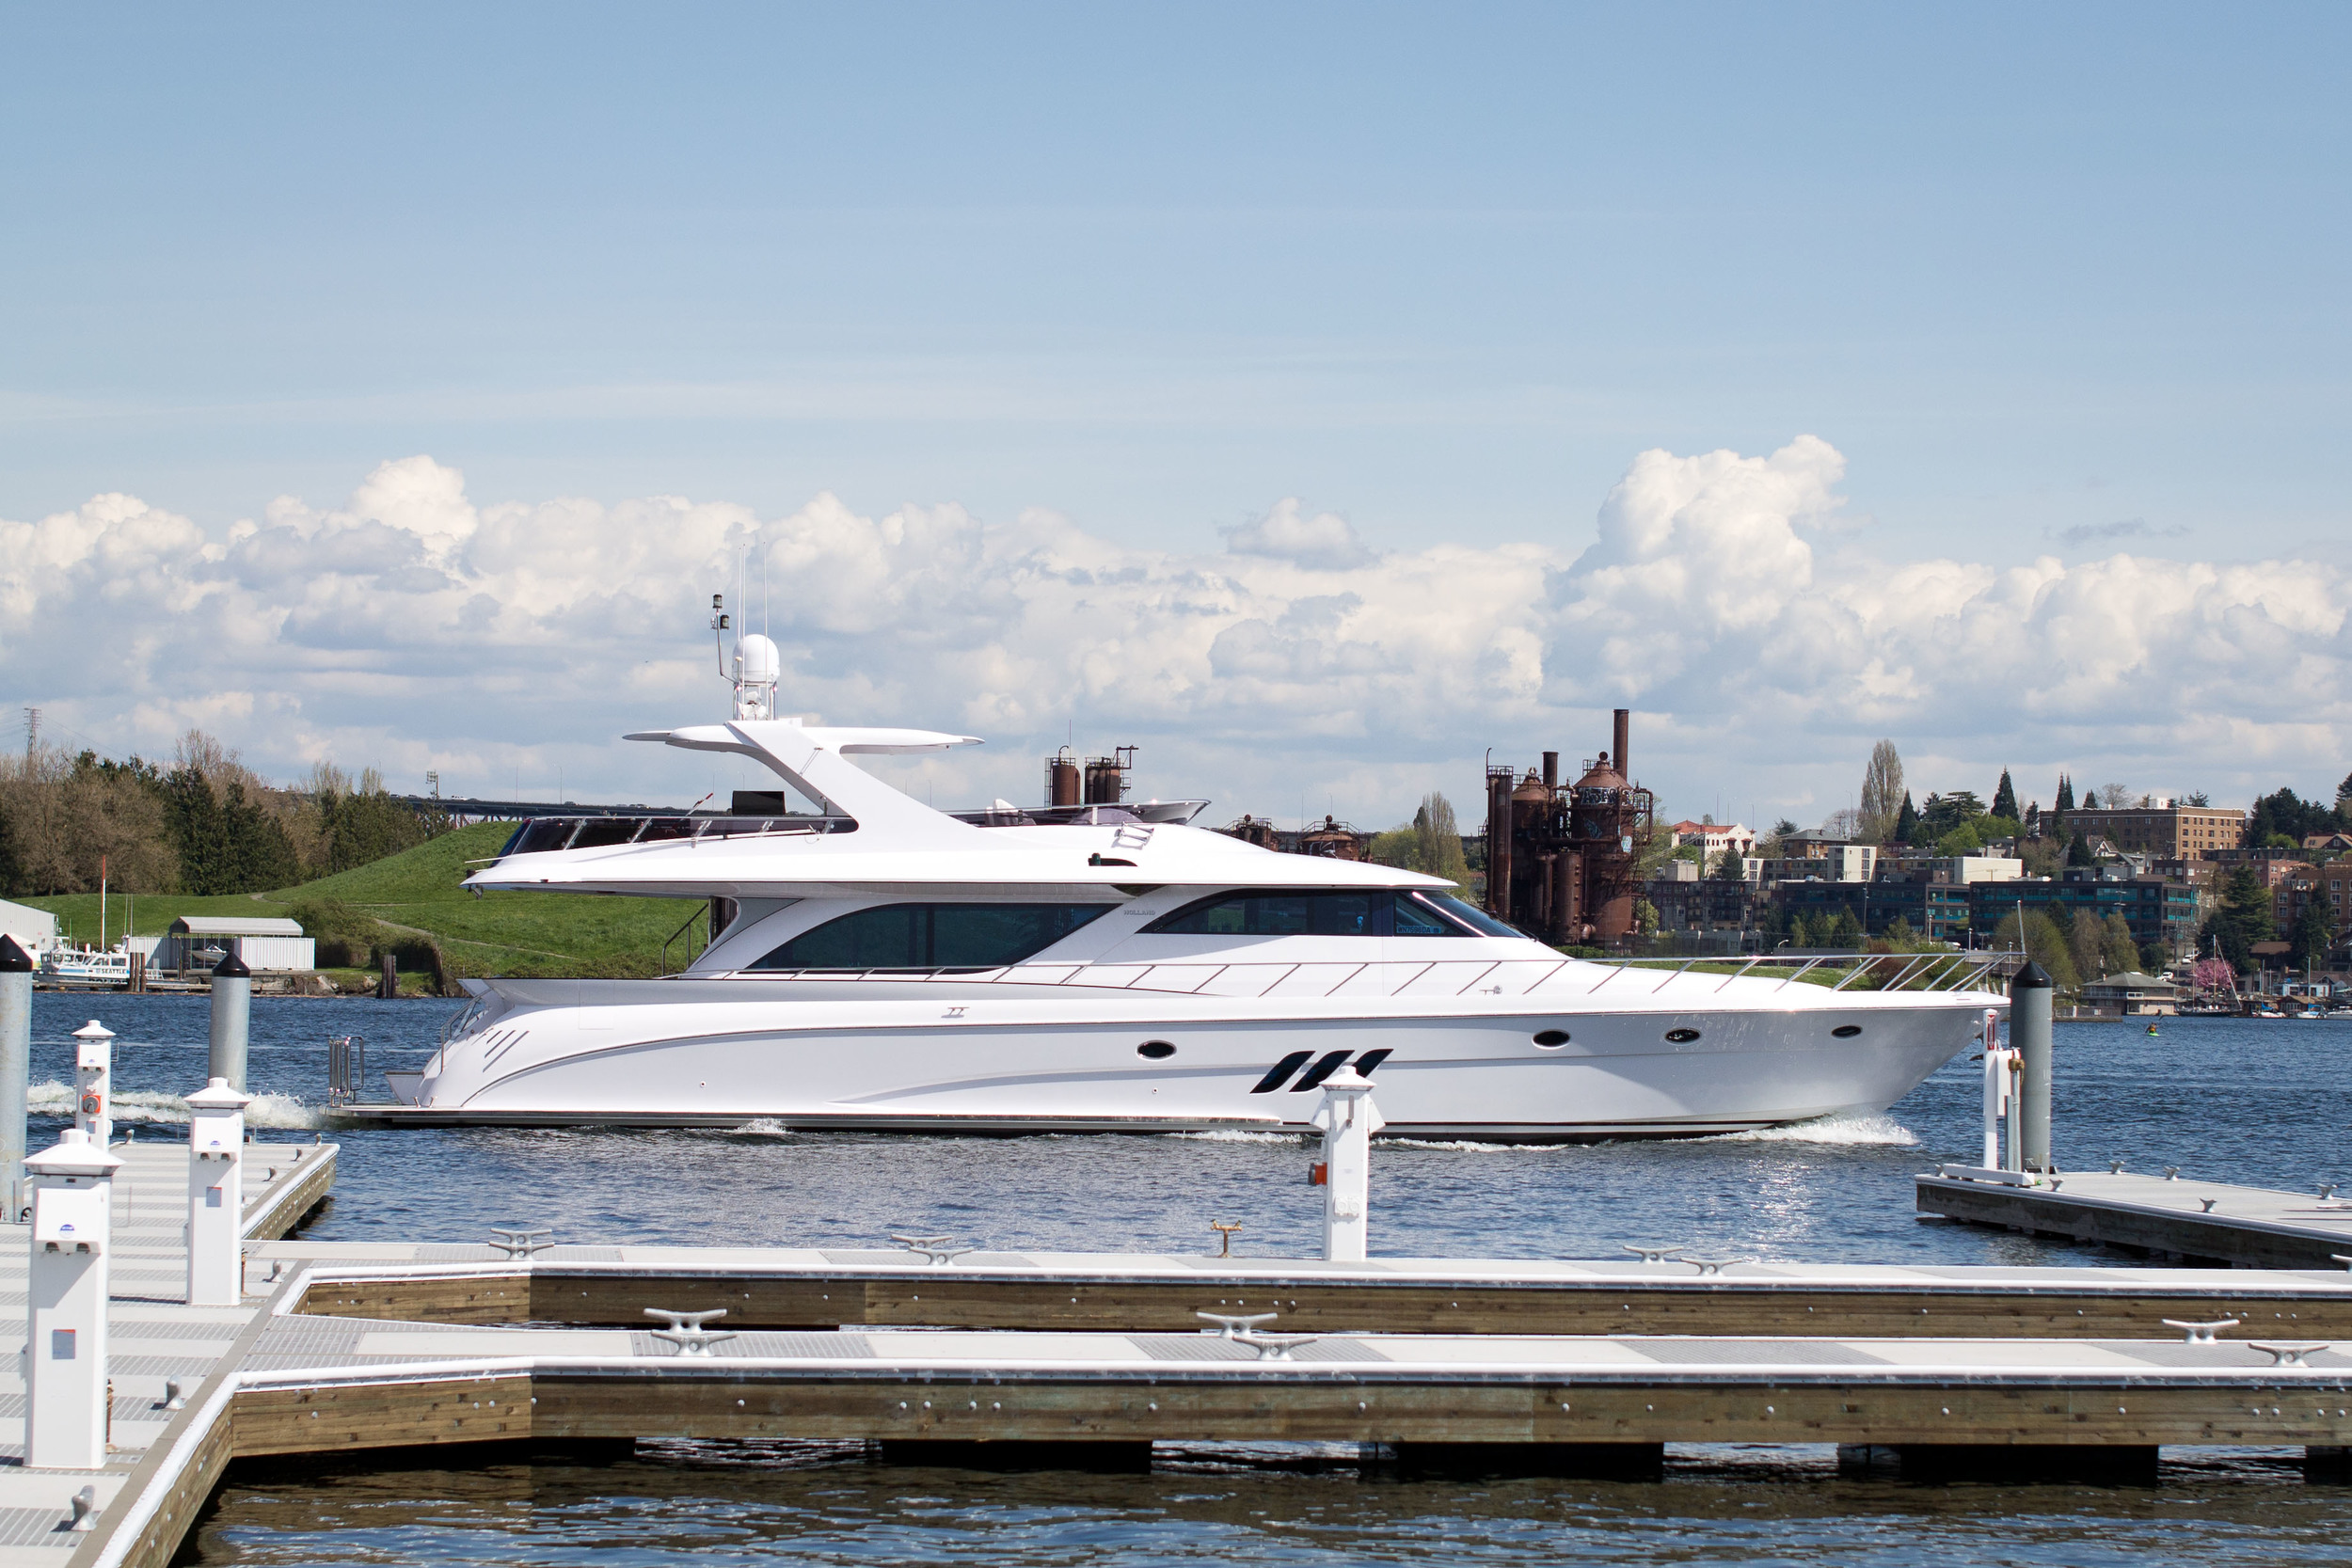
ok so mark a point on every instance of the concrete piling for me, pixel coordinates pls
(2030, 998)
(16, 1066)
(232, 1020)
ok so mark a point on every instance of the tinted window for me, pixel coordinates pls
(931, 936)
(1286, 912)
(1476, 919)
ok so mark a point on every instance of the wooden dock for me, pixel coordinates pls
(1011, 1358)
(2174, 1217)
(154, 1339)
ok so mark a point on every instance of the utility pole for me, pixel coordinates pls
(32, 733)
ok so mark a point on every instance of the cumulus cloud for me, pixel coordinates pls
(1326, 541)
(1719, 595)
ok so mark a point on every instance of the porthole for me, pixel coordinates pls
(1552, 1039)
(1156, 1051)
(1847, 1031)
(1682, 1036)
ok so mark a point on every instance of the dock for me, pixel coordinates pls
(1085, 1360)
(157, 1342)
(2165, 1216)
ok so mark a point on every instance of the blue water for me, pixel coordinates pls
(2260, 1103)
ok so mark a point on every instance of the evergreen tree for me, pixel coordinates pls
(2313, 934)
(2065, 794)
(2005, 797)
(2243, 919)
(2078, 852)
(1728, 867)
(2119, 953)
(1907, 822)
(2091, 799)
(1799, 936)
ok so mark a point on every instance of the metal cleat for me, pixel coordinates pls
(1653, 1253)
(2208, 1202)
(686, 1330)
(85, 1510)
(2288, 1352)
(2115, 1167)
(2327, 1191)
(1274, 1347)
(2201, 1334)
(1225, 1236)
(2171, 1173)
(521, 1244)
(1713, 1265)
(938, 1250)
(175, 1394)
(1235, 1325)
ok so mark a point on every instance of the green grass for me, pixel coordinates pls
(497, 933)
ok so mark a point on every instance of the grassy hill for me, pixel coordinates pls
(409, 900)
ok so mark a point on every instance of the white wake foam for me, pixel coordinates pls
(1884, 1130)
(762, 1126)
(267, 1110)
(1239, 1136)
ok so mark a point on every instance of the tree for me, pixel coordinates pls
(1799, 935)
(2091, 799)
(2313, 934)
(2005, 797)
(2043, 943)
(2065, 794)
(2078, 852)
(1899, 935)
(1945, 813)
(1437, 841)
(1729, 867)
(1882, 792)
(1907, 822)
(1845, 932)
(1646, 917)
(2086, 943)
(2122, 951)
(2243, 919)
(2282, 813)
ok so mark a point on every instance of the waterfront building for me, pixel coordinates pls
(1937, 911)
(2156, 911)
(263, 946)
(2168, 830)
(35, 930)
(1840, 862)
(1691, 903)
(2133, 995)
(2299, 884)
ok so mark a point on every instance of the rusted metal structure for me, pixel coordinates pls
(1097, 782)
(1331, 838)
(1561, 860)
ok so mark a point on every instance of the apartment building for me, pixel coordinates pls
(2167, 831)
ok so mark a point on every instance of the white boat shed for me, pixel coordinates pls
(35, 930)
(199, 941)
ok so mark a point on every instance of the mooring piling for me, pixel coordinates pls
(232, 1020)
(2029, 996)
(16, 1066)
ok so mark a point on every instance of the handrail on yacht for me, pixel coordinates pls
(1926, 972)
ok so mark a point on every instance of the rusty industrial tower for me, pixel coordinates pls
(1561, 860)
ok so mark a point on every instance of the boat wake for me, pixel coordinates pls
(54, 1099)
(1881, 1131)
(1239, 1136)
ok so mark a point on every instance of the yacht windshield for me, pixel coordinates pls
(931, 936)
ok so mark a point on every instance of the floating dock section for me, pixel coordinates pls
(2164, 1216)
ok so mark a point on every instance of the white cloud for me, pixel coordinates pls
(1761, 641)
(1326, 541)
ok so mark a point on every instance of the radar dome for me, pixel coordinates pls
(762, 664)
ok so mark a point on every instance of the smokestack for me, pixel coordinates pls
(1624, 769)
(1551, 770)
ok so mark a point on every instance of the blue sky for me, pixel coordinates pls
(2051, 280)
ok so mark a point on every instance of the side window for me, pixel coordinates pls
(931, 936)
(1476, 919)
(1287, 912)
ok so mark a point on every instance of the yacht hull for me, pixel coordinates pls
(924, 1058)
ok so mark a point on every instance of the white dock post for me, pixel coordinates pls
(1996, 1088)
(64, 1360)
(216, 1194)
(233, 1019)
(16, 1071)
(1348, 1121)
(93, 1082)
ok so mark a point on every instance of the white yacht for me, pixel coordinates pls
(889, 966)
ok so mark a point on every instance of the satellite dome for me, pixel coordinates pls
(762, 664)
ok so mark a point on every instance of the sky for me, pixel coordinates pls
(1320, 397)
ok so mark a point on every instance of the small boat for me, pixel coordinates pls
(89, 966)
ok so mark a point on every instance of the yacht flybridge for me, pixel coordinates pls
(888, 966)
